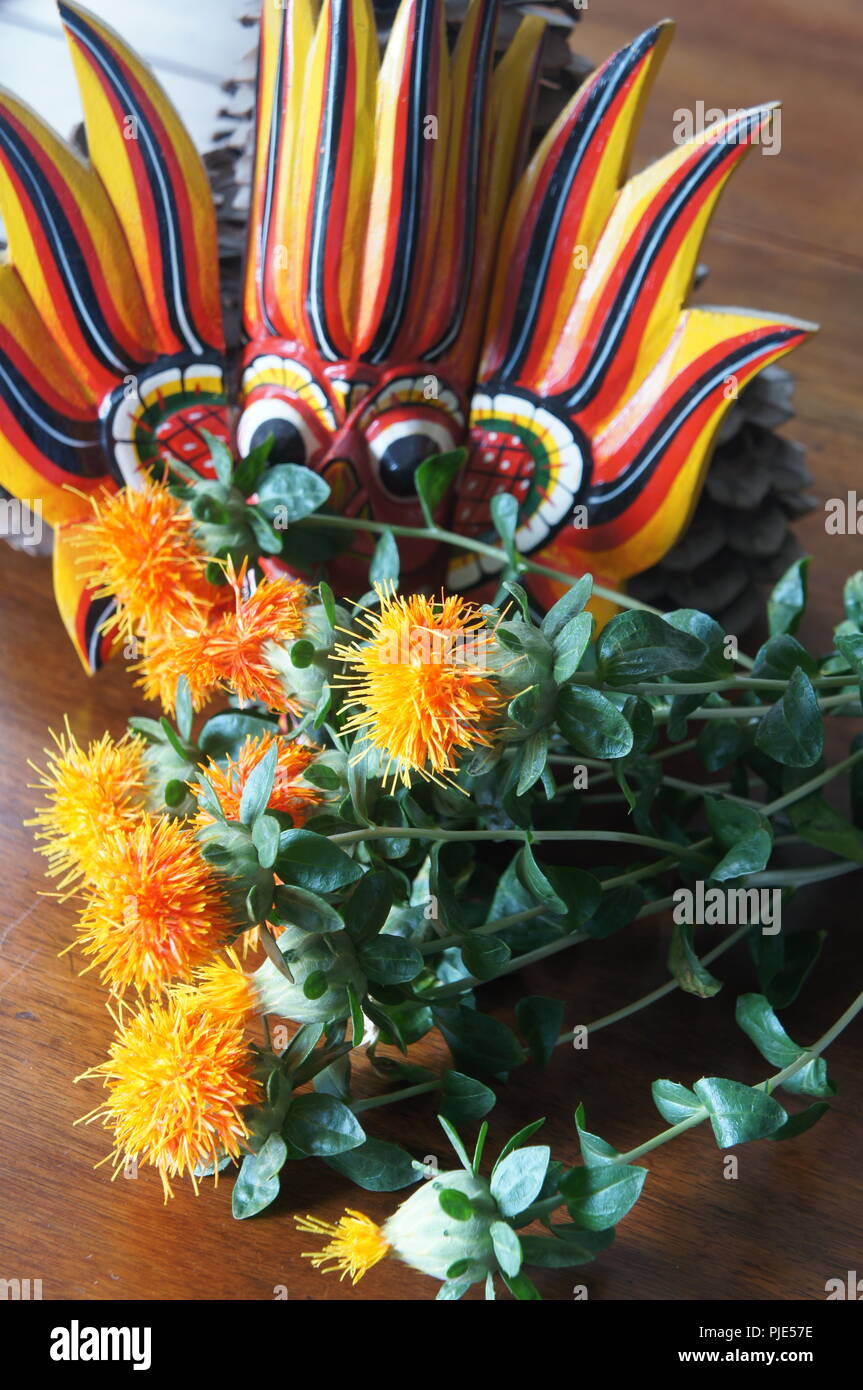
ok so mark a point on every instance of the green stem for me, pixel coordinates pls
(496, 552)
(773, 807)
(704, 687)
(388, 832)
(698, 1116)
(647, 999)
(662, 716)
(390, 1098)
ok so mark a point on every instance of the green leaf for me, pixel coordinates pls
(322, 1125)
(314, 862)
(297, 907)
(799, 1123)
(759, 1022)
(225, 732)
(368, 906)
(540, 1020)
(504, 516)
(257, 1183)
(183, 708)
(557, 1252)
(778, 657)
(738, 1113)
(570, 646)
(592, 724)
(455, 1204)
(673, 1101)
(521, 1287)
(537, 882)
(478, 1041)
(259, 787)
(792, 731)
(175, 792)
(300, 491)
(464, 1099)
(390, 960)
(815, 820)
(600, 1196)
(220, 457)
(453, 1289)
(433, 479)
(685, 966)
(358, 1023)
(323, 776)
(636, 646)
(507, 1248)
(376, 1165)
(567, 607)
(744, 835)
(265, 837)
(594, 1150)
(384, 566)
(516, 1141)
(517, 1180)
(453, 1136)
(787, 601)
(534, 755)
(484, 956)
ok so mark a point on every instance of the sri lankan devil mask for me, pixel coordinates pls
(412, 285)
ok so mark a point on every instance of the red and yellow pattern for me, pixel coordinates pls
(412, 284)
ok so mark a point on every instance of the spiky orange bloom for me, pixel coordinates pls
(288, 794)
(355, 1244)
(228, 648)
(178, 1080)
(422, 683)
(156, 908)
(222, 988)
(139, 546)
(91, 796)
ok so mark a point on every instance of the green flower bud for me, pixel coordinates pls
(306, 955)
(431, 1240)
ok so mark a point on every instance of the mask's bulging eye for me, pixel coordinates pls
(400, 448)
(294, 440)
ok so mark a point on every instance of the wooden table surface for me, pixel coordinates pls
(786, 237)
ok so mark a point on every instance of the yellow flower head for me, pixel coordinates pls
(222, 989)
(227, 648)
(178, 1080)
(422, 683)
(288, 794)
(156, 908)
(355, 1244)
(139, 546)
(90, 796)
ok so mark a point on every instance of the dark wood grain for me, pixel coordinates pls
(786, 237)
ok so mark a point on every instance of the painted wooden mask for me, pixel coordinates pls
(413, 284)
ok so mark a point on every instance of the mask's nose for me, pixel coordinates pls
(345, 468)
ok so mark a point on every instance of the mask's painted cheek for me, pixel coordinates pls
(163, 414)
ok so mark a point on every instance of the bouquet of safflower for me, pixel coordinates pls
(315, 852)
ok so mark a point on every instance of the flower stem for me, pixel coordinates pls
(390, 1097)
(656, 994)
(398, 832)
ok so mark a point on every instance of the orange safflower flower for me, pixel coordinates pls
(140, 547)
(227, 649)
(422, 684)
(178, 1080)
(156, 908)
(90, 796)
(288, 794)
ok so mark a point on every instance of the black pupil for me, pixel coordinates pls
(401, 459)
(287, 447)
